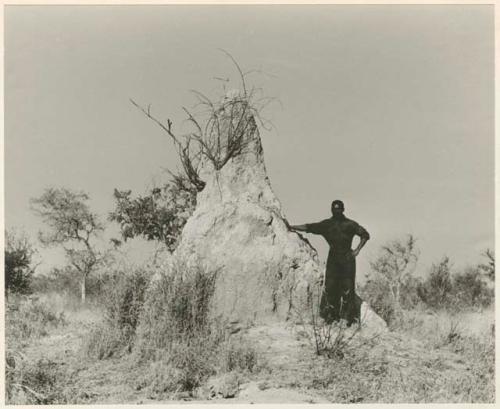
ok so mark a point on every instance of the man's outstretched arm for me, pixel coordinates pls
(314, 228)
(300, 227)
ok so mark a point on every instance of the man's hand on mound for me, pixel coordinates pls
(287, 225)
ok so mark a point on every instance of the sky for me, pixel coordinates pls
(388, 108)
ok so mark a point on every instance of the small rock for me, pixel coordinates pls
(224, 386)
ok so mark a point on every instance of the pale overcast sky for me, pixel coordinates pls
(389, 108)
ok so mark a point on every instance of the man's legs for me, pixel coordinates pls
(349, 310)
(330, 300)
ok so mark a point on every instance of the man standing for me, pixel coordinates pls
(338, 299)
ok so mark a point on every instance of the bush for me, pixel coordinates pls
(436, 291)
(377, 294)
(488, 267)
(220, 131)
(470, 290)
(467, 289)
(18, 263)
(28, 318)
(62, 281)
(391, 286)
(160, 215)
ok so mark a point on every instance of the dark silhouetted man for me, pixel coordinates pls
(338, 299)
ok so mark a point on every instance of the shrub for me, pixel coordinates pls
(18, 263)
(470, 290)
(329, 339)
(377, 294)
(220, 131)
(390, 286)
(488, 267)
(62, 281)
(159, 216)
(436, 290)
(28, 318)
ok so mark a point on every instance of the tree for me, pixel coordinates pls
(437, 289)
(394, 267)
(488, 268)
(158, 216)
(73, 226)
(18, 263)
(470, 289)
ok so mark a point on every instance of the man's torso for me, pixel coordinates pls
(339, 235)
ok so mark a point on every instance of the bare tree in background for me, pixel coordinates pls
(73, 226)
(395, 265)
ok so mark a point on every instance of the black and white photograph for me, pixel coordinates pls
(249, 203)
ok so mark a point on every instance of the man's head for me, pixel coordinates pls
(337, 207)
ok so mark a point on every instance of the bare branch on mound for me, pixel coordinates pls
(222, 131)
(242, 76)
(190, 161)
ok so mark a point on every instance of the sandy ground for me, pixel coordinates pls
(287, 351)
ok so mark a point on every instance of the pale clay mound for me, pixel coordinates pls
(266, 272)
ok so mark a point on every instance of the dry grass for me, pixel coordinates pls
(122, 307)
(177, 309)
(184, 354)
(180, 340)
(30, 382)
(176, 331)
(431, 358)
(29, 317)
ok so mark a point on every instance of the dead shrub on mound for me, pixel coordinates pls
(219, 129)
(125, 294)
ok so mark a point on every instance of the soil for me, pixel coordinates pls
(288, 354)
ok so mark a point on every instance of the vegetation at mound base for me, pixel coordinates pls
(431, 357)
